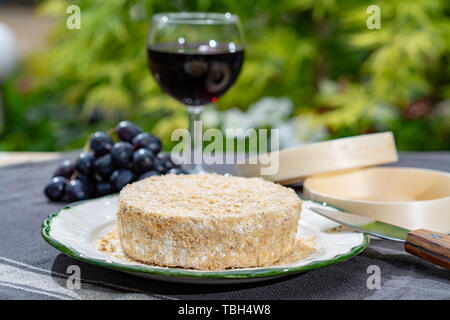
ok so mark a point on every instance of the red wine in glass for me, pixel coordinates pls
(195, 57)
(196, 73)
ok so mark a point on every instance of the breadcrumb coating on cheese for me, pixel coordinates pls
(206, 194)
(207, 221)
(110, 244)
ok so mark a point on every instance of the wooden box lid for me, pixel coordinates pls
(295, 164)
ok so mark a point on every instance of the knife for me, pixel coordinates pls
(428, 245)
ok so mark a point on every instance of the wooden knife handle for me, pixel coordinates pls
(429, 245)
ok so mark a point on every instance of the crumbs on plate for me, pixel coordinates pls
(110, 244)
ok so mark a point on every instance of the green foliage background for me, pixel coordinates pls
(320, 54)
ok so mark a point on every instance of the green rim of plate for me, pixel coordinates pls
(188, 273)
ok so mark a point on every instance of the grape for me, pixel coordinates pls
(146, 140)
(159, 166)
(166, 160)
(148, 174)
(122, 154)
(104, 165)
(99, 178)
(85, 163)
(163, 163)
(54, 190)
(101, 143)
(75, 191)
(88, 183)
(127, 130)
(143, 160)
(103, 188)
(66, 169)
(110, 166)
(121, 177)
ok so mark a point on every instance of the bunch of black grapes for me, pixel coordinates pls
(109, 165)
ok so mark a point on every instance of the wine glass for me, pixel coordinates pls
(195, 57)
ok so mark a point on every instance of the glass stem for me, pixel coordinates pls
(196, 133)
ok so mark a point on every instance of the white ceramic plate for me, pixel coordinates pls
(76, 228)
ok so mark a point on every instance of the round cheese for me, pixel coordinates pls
(207, 221)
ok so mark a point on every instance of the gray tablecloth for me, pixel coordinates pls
(32, 269)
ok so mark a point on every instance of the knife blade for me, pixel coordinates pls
(428, 245)
(364, 224)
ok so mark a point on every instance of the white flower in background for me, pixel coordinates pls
(300, 130)
(383, 114)
(211, 118)
(309, 130)
(270, 111)
(441, 111)
(287, 133)
(236, 119)
(273, 113)
(9, 56)
(9, 51)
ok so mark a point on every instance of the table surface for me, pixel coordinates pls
(32, 269)
(10, 158)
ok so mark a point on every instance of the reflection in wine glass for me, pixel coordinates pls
(218, 77)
